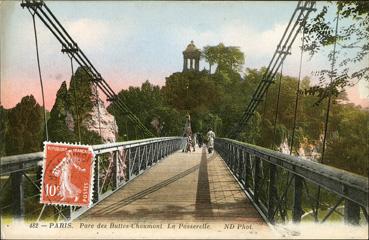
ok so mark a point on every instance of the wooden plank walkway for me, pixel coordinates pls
(185, 188)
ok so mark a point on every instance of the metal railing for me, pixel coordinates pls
(115, 165)
(284, 187)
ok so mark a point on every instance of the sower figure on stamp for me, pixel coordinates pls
(64, 171)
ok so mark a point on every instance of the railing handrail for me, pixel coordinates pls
(132, 143)
(15, 163)
(21, 158)
(309, 170)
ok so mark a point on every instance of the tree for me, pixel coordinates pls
(209, 54)
(227, 58)
(148, 104)
(352, 44)
(3, 129)
(58, 130)
(347, 146)
(25, 127)
(191, 91)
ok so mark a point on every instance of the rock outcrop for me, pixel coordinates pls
(100, 120)
(79, 115)
(306, 150)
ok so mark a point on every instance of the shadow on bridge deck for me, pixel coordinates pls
(184, 186)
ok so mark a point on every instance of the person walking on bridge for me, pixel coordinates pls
(210, 135)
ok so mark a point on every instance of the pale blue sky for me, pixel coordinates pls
(130, 42)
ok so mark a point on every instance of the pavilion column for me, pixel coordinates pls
(197, 64)
(184, 63)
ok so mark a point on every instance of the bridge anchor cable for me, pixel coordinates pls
(41, 10)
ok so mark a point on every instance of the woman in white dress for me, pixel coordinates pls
(210, 135)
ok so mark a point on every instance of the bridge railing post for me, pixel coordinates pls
(151, 155)
(297, 199)
(137, 161)
(351, 213)
(236, 163)
(147, 155)
(257, 179)
(272, 192)
(231, 164)
(166, 148)
(17, 194)
(247, 169)
(233, 159)
(229, 158)
(158, 152)
(129, 164)
(227, 152)
(161, 150)
(240, 165)
(96, 180)
(116, 169)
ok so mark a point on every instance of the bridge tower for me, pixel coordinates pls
(191, 58)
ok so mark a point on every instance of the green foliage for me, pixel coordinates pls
(347, 146)
(352, 44)
(347, 128)
(191, 91)
(58, 130)
(227, 58)
(148, 104)
(3, 129)
(24, 131)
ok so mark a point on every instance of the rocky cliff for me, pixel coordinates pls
(79, 115)
(306, 150)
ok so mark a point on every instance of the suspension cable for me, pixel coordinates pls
(297, 91)
(283, 49)
(277, 106)
(98, 111)
(265, 102)
(330, 90)
(328, 109)
(40, 75)
(47, 17)
(75, 97)
(126, 122)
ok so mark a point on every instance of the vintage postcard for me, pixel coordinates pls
(184, 119)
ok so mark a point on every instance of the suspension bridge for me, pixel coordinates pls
(239, 182)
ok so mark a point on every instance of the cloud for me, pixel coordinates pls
(89, 33)
(252, 41)
(97, 33)
(59, 76)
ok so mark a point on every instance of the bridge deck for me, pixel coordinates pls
(191, 188)
(184, 186)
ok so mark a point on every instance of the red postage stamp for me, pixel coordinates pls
(67, 174)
